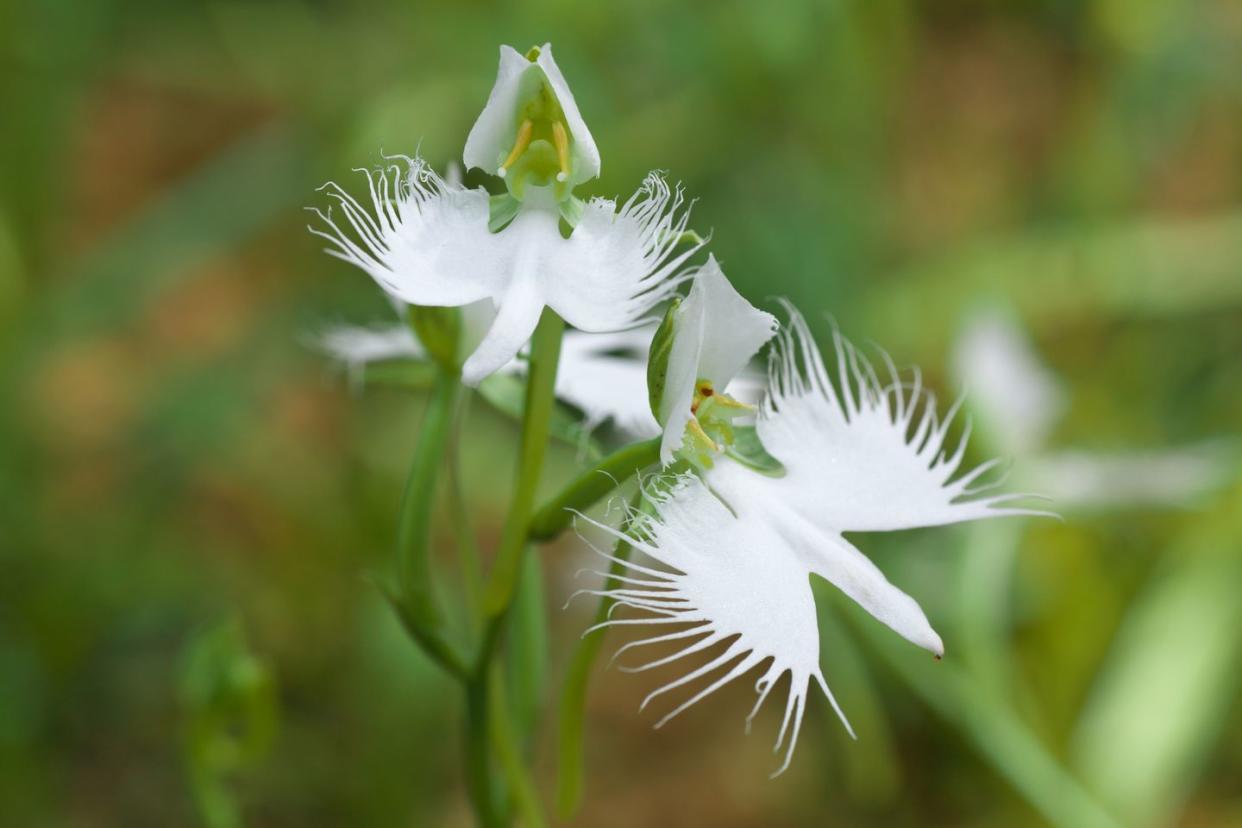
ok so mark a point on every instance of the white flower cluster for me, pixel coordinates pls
(729, 548)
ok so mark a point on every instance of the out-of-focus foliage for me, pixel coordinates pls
(171, 451)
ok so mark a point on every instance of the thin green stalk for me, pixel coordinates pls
(467, 545)
(416, 599)
(572, 716)
(591, 486)
(545, 349)
(1014, 751)
(479, 782)
(505, 742)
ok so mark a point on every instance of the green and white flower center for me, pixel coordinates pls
(709, 431)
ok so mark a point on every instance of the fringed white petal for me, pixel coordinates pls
(864, 456)
(619, 263)
(743, 591)
(605, 375)
(717, 332)
(755, 498)
(424, 241)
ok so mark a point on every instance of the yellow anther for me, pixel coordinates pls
(699, 435)
(561, 138)
(519, 146)
(725, 401)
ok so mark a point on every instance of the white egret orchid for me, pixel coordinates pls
(602, 375)
(430, 242)
(735, 548)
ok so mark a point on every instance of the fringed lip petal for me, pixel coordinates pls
(725, 579)
(825, 553)
(620, 262)
(427, 242)
(424, 241)
(859, 455)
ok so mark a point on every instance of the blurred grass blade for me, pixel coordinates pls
(872, 768)
(995, 731)
(1171, 678)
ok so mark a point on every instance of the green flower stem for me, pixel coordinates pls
(545, 350)
(572, 715)
(416, 598)
(589, 487)
(505, 743)
(479, 781)
(997, 733)
(467, 545)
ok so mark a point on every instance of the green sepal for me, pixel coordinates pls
(439, 329)
(749, 451)
(657, 361)
(501, 210)
(571, 210)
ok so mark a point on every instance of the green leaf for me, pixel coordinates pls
(1171, 678)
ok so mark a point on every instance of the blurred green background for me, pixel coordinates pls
(174, 454)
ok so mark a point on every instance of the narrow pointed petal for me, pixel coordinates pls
(739, 581)
(423, 240)
(827, 554)
(717, 333)
(734, 329)
(493, 132)
(586, 154)
(517, 314)
(619, 262)
(860, 456)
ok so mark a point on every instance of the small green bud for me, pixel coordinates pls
(440, 331)
(657, 359)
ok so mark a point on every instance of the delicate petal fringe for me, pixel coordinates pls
(727, 585)
(423, 239)
(863, 454)
(619, 263)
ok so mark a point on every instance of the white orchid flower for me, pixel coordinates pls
(734, 548)
(429, 241)
(602, 375)
(715, 333)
